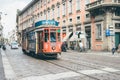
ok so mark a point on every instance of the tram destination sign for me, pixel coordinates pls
(46, 22)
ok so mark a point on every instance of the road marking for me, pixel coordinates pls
(9, 73)
(70, 74)
(110, 69)
(105, 54)
(89, 72)
(53, 76)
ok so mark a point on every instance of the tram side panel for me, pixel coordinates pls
(31, 42)
(24, 41)
(38, 44)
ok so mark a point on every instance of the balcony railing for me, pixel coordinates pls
(99, 3)
(94, 4)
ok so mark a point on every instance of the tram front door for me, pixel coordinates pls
(40, 39)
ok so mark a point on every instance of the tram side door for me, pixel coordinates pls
(40, 41)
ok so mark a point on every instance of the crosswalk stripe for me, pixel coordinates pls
(89, 72)
(110, 69)
(53, 76)
(71, 74)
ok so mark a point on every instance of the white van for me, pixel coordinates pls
(14, 45)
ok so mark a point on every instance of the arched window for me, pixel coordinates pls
(77, 5)
(70, 6)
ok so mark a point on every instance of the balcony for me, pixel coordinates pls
(101, 4)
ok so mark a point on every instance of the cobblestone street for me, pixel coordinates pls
(71, 65)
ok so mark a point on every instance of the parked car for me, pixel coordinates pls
(14, 45)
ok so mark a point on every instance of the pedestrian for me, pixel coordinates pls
(66, 45)
(113, 48)
(63, 47)
(118, 49)
(81, 46)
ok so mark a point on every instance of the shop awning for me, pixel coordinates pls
(67, 36)
(75, 36)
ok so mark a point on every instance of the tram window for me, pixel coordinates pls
(58, 36)
(46, 37)
(53, 37)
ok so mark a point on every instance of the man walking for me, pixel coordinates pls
(113, 48)
(81, 46)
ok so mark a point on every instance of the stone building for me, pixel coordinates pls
(97, 21)
(1, 32)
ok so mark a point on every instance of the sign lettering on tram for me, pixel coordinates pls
(46, 22)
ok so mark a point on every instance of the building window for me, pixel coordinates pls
(63, 22)
(45, 15)
(38, 15)
(70, 28)
(70, 6)
(77, 5)
(48, 1)
(87, 1)
(41, 16)
(117, 1)
(70, 20)
(78, 28)
(45, 1)
(48, 14)
(52, 13)
(64, 29)
(41, 3)
(64, 9)
(87, 15)
(58, 11)
(98, 31)
(117, 25)
(78, 18)
(117, 13)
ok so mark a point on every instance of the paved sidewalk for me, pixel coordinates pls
(103, 53)
(2, 76)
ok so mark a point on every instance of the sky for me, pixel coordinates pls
(10, 7)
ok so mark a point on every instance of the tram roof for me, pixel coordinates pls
(47, 26)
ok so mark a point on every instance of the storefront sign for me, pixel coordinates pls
(109, 33)
(46, 22)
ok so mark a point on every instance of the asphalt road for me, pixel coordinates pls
(71, 65)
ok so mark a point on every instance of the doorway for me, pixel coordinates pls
(88, 36)
(117, 39)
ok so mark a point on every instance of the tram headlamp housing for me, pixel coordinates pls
(53, 48)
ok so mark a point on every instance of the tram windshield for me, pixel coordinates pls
(46, 37)
(53, 37)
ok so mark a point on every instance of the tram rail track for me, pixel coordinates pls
(90, 66)
(71, 70)
(64, 60)
(89, 61)
(57, 64)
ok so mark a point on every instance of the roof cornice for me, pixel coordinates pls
(28, 6)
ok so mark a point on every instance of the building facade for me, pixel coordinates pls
(94, 19)
(1, 32)
(12, 36)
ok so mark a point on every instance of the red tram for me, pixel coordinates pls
(43, 39)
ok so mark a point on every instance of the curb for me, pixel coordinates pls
(9, 73)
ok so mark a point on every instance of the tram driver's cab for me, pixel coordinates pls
(49, 40)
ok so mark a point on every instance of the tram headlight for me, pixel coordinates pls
(53, 48)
